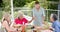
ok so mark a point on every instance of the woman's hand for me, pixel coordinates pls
(33, 18)
(50, 28)
(12, 30)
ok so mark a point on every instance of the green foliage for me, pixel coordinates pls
(7, 5)
(42, 3)
(1, 3)
(30, 5)
(15, 14)
(1, 14)
(19, 3)
(53, 6)
(52, 0)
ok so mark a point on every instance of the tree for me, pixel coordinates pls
(1, 3)
(7, 5)
(53, 5)
(21, 3)
(53, 0)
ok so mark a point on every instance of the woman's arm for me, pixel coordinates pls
(31, 19)
(50, 28)
(5, 24)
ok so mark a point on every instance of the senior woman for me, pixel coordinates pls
(21, 19)
(6, 23)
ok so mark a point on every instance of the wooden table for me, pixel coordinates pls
(18, 27)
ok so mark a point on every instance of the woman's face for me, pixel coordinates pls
(21, 16)
(51, 19)
(7, 18)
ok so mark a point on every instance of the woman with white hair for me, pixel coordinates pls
(6, 22)
(21, 19)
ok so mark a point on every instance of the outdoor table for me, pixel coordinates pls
(38, 29)
(18, 26)
(24, 27)
(28, 28)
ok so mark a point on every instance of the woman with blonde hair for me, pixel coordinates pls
(6, 22)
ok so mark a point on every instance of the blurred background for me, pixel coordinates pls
(50, 6)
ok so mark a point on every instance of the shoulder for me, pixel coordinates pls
(5, 21)
(57, 23)
(16, 18)
(33, 9)
(25, 19)
(42, 8)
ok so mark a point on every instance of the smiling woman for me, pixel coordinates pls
(6, 23)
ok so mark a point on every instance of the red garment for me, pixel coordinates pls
(20, 21)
